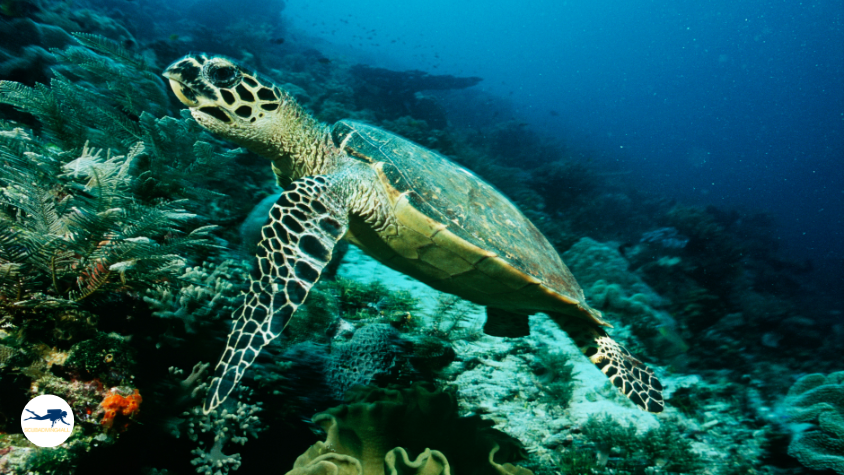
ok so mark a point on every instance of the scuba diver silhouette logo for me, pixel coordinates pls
(52, 415)
(43, 410)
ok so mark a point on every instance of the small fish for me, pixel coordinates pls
(554, 113)
(324, 60)
(174, 37)
(277, 41)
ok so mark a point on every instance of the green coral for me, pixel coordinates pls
(577, 462)
(451, 320)
(618, 448)
(319, 313)
(72, 113)
(102, 205)
(331, 299)
(53, 461)
(358, 300)
(71, 230)
(819, 400)
(556, 376)
(111, 97)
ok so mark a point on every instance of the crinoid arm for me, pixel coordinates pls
(297, 242)
(632, 377)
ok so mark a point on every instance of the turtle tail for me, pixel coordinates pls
(626, 372)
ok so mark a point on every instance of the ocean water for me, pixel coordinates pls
(726, 104)
(685, 159)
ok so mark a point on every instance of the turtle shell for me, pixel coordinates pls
(505, 261)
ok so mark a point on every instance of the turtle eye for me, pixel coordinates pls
(222, 75)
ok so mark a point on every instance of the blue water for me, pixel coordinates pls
(735, 104)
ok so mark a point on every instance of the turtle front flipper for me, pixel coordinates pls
(297, 241)
(632, 377)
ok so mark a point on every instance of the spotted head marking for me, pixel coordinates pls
(224, 97)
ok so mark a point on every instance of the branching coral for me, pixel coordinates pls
(450, 320)
(556, 374)
(71, 113)
(358, 300)
(236, 423)
(819, 400)
(206, 293)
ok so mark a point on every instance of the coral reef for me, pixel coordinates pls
(616, 448)
(818, 400)
(75, 223)
(87, 232)
(112, 276)
(393, 94)
(620, 294)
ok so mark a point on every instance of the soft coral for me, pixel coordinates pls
(117, 404)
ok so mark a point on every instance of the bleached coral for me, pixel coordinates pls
(206, 293)
(234, 423)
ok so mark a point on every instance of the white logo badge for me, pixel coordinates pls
(47, 421)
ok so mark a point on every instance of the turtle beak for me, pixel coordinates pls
(182, 92)
(187, 83)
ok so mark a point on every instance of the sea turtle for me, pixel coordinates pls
(408, 207)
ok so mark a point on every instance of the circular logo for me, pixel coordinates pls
(47, 421)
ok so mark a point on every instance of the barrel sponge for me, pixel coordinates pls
(819, 400)
(412, 430)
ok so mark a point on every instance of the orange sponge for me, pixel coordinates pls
(117, 404)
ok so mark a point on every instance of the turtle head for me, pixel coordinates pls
(224, 97)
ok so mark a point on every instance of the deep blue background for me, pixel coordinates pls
(736, 104)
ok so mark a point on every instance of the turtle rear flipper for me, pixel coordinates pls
(632, 377)
(297, 241)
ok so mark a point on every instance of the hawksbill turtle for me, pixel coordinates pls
(408, 207)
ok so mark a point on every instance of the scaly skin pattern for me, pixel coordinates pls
(632, 377)
(304, 225)
(339, 187)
